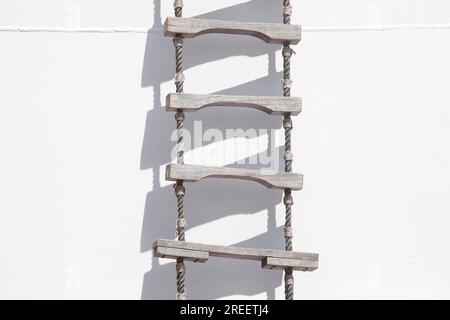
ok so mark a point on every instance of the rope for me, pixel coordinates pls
(287, 125)
(179, 187)
(179, 76)
(287, 11)
(178, 6)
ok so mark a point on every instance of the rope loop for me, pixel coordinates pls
(178, 42)
(287, 123)
(178, 4)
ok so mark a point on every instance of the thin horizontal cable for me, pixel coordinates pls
(78, 30)
(387, 27)
(392, 27)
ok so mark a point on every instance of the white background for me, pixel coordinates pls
(84, 139)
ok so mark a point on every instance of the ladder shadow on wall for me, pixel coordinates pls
(209, 200)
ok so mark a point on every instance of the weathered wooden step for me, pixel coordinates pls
(270, 179)
(275, 263)
(270, 259)
(269, 32)
(270, 105)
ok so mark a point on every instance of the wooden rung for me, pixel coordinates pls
(269, 32)
(270, 105)
(173, 253)
(270, 179)
(281, 264)
(271, 259)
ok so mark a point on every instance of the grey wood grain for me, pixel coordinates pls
(270, 179)
(173, 253)
(274, 263)
(269, 104)
(273, 33)
(300, 260)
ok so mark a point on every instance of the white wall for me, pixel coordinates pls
(84, 138)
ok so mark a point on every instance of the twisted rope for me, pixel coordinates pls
(178, 7)
(288, 157)
(179, 187)
(287, 11)
(181, 279)
(179, 76)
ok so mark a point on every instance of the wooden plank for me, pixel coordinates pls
(236, 252)
(270, 179)
(271, 105)
(274, 33)
(174, 253)
(281, 264)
